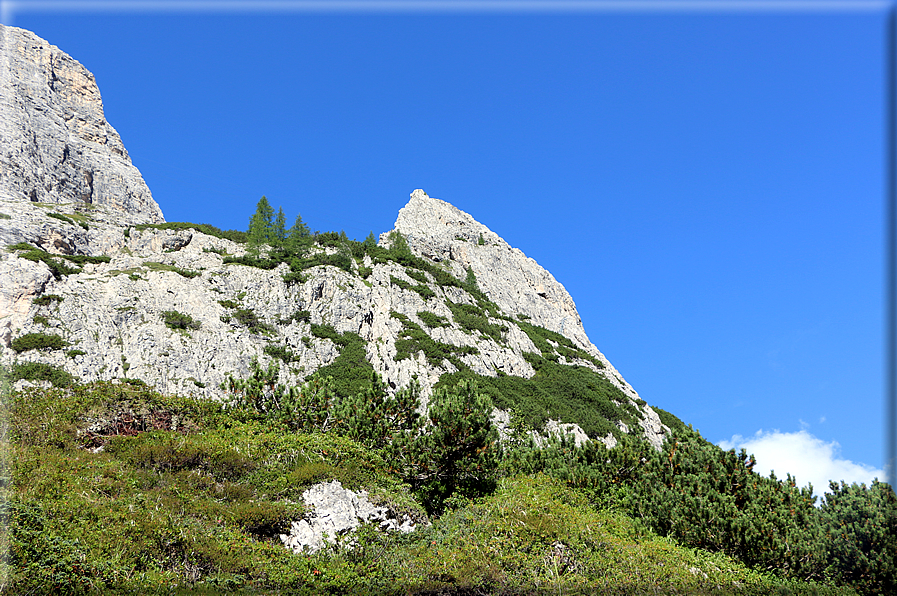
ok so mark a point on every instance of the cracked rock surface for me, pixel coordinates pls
(335, 512)
(55, 143)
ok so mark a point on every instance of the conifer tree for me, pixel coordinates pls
(370, 242)
(860, 524)
(299, 235)
(278, 230)
(377, 420)
(470, 282)
(461, 448)
(399, 248)
(260, 224)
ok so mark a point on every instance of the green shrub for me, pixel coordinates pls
(281, 353)
(73, 353)
(473, 318)
(552, 344)
(711, 499)
(176, 320)
(155, 266)
(423, 290)
(860, 525)
(432, 320)
(82, 259)
(229, 304)
(399, 282)
(413, 339)
(669, 419)
(232, 235)
(38, 341)
(163, 451)
(249, 319)
(69, 220)
(46, 299)
(557, 391)
(57, 268)
(377, 420)
(41, 320)
(5, 216)
(263, 519)
(461, 450)
(38, 371)
(43, 561)
(351, 370)
(300, 316)
(328, 332)
(418, 276)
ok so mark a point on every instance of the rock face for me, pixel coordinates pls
(335, 512)
(55, 144)
(442, 232)
(115, 315)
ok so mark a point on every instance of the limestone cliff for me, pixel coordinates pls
(113, 315)
(55, 143)
(115, 311)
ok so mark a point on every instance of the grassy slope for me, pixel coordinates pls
(185, 494)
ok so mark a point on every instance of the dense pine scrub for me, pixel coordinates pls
(557, 391)
(38, 341)
(413, 340)
(118, 489)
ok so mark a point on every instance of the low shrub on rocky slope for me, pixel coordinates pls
(119, 489)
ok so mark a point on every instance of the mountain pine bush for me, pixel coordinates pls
(860, 529)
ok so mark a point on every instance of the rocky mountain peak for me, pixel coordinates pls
(441, 232)
(56, 146)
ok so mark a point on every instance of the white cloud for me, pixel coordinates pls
(807, 458)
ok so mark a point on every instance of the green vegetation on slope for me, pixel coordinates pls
(57, 268)
(232, 235)
(118, 489)
(557, 391)
(187, 493)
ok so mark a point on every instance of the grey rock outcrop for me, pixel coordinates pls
(68, 187)
(443, 233)
(55, 143)
(334, 513)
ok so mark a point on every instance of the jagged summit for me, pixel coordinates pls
(55, 143)
(441, 232)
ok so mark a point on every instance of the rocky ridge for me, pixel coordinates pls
(113, 314)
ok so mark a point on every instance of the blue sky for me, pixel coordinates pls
(708, 185)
